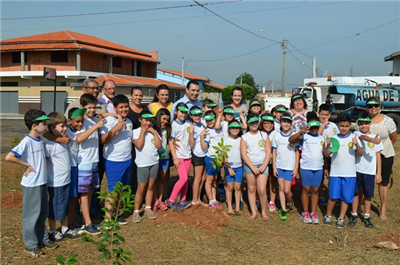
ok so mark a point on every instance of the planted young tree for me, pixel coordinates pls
(221, 153)
(110, 241)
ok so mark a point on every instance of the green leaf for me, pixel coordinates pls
(60, 259)
(222, 141)
(105, 236)
(216, 148)
(219, 144)
(119, 237)
(72, 262)
(116, 242)
(117, 251)
(73, 256)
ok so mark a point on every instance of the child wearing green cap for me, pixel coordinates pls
(35, 205)
(254, 107)
(311, 166)
(278, 111)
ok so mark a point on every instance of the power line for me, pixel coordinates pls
(298, 50)
(302, 63)
(228, 58)
(236, 25)
(116, 12)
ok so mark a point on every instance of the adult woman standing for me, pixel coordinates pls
(386, 129)
(236, 102)
(298, 110)
(135, 110)
(161, 100)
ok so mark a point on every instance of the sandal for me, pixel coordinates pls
(252, 219)
(265, 218)
(232, 214)
(237, 213)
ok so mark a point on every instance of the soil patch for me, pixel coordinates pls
(395, 238)
(11, 200)
(197, 216)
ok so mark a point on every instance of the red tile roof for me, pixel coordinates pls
(189, 76)
(68, 40)
(136, 81)
(214, 85)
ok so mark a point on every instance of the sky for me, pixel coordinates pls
(222, 39)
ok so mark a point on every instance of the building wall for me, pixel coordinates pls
(149, 69)
(396, 65)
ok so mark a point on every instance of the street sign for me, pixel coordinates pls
(50, 73)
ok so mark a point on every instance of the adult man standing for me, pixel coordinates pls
(190, 98)
(89, 86)
(109, 91)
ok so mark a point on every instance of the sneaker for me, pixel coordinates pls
(283, 214)
(185, 204)
(49, 245)
(163, 206)
(150, 214)
(156, 206)
(289, 207)
(314, 218)
(122, 220)
(353, 220)
(368, 223)
(56, 236)
(272, 207)
(215, 205)
(71, 232)
(340, 223)
(305, 216)
(92, 229)
(35, 252)
(322, 201)
(328, 220)
(173, 205)
(136, 218)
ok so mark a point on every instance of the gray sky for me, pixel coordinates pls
(223, 39)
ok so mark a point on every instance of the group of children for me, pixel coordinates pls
(258, 145)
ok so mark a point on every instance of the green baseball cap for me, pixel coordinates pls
(229, 111)
(367, 119)
(78, 112)
(42, 118)
(335, 145)
(254, 119)
(313, 124)
(196, 112)
(268, 118)
(147, 116)
(281, 109)
(373, 102)
(211, 105)
(297, 96)
(234, 125)
(255, 103)
(286, 118)
(209, 117)
(183, 109)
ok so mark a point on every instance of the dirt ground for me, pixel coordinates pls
(200, 235)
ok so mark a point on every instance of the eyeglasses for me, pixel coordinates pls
(372, 106)
(93, 88)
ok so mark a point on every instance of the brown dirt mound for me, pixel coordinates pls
(197, 216)
(395, 238)
(11, 200)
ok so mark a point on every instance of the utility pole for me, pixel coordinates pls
(183, 71)
(283, 67)
(314, 68)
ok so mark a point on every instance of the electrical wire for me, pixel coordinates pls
(298, 50)
(302, 63)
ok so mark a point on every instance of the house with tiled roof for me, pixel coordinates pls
(75, 57)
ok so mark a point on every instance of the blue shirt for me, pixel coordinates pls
(189, 103)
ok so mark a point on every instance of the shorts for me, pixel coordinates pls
(238, 175)
(342, 188)
(247, 170)
(285, 174)
(117, 172)
(311, 177)
(365, 182)
(387, 164)
(88, 177)
(73, 185)
(210, 171)
(146, 173)
(58, 202)
(164, 163)
(198, 160)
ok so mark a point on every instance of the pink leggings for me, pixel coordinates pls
(182, 184)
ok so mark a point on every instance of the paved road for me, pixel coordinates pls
(9, 130)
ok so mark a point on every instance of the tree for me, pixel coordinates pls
(249, 92)
(246, 78)
(211, 89)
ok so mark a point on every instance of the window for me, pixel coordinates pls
(117, 62)
(136, 68)
(59, 56)
(8, 84)
(51, 83)
(16, 57)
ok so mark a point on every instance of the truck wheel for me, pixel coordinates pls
(396, 119)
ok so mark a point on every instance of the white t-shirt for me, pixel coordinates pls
(31, 151)
(256, 146)
(330, 130)
(197, 150)
(344, 161)
(148, 155)
(162, 152)
(271, 136)
(180, 131)
(234, 156)
(89, 149)
(58, 164)
(119, 148)
(312, 157)
(224, 128)
(203, 122)
(285, 151)
(277, 126)
(367, 163)
(212, 138)
(73, 147)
